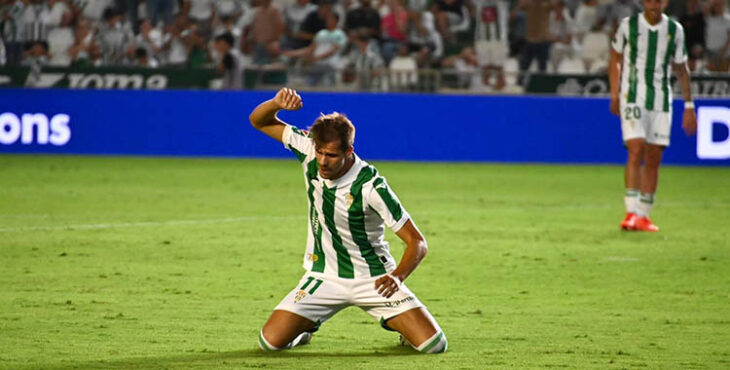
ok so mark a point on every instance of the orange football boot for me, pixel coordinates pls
(629, 223)
(645, 224)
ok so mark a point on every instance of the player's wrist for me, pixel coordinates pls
(398, 280)
(275, 105)
(689, 104)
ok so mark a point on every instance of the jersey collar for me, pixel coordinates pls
(656, 26)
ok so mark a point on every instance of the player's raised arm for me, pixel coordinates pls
(264, 118)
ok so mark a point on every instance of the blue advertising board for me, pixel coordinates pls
(389, 126)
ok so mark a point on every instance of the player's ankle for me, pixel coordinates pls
(436, 344)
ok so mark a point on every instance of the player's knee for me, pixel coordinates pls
(635, 155)
(265, 345)
(436, 344)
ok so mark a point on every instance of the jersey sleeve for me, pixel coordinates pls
(680, 52)
(386, 204)
(619, 39)
(298, 142)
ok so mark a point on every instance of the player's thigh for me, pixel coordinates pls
(417, 325)
(313, 301)
(634, 121)
(659, 128)
(403, 308)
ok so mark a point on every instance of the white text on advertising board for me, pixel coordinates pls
(708, 119)
(34, 128)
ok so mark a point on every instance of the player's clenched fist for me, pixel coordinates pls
(288, 99)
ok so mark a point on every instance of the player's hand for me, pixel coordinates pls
(689, 122)
(288, 99)
(615, 107)
(387, 285)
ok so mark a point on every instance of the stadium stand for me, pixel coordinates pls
(405, 45)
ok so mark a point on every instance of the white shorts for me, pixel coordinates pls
(654, 127)
(318, 297)
(491, 53)
(454, 18)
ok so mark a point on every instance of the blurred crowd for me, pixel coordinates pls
(485, 37)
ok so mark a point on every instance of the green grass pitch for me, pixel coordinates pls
(176, 263)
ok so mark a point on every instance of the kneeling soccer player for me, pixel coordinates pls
(347, 258)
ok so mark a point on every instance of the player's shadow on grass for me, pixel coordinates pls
(233, 359)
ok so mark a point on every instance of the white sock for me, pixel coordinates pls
(631, 198)
(301, 339)
(646, 201)
(265, 345)
(436, 344)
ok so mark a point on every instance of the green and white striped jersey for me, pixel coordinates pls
(648, 53)
(491, 20)
(347, 216)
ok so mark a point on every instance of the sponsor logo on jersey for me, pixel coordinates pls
(315, 223)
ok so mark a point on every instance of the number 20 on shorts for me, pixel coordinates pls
(632, 112)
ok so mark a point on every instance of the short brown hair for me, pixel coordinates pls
(334, 126)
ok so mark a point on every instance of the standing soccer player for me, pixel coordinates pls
(347, 260)
(645, 46)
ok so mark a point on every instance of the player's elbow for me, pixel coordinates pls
(257, 122)
(253, 120)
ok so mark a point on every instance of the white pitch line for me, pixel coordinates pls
(146, 224)
(621, 259)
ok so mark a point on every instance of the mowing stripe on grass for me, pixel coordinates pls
(145, 224)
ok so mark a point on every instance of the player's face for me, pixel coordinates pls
(654, 9)
(331, 159)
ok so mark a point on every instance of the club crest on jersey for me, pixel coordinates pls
(312, 257)
(300, 295)
(350, 199)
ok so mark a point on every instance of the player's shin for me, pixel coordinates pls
(631, 199)
(646, 201)
(436, 344)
